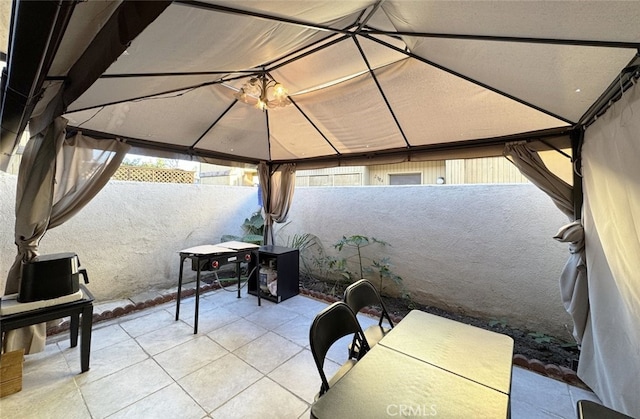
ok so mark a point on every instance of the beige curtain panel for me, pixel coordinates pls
(34, 197)
(574, 289)
(58, 176)
(533, 168)
(277, 195)
(610, 356)
(573, 279)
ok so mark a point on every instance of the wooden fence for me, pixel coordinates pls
(153, 174)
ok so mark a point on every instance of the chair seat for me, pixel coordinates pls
(375, 333)
(342, 371)
(339, 374)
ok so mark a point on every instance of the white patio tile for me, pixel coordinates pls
(296, 330)
(51, 354)
(523, 410)
(266, 397)
(169, 402)
(207, 302)
(551, 396)
(213, 319)
(577, 394)
(187, 307)
(229, 295)
(103, 336)
(300, 376)
(116, 391)
(162, 339)
(244, 306)
(155, 320)
(219, 381)
(271, 316)
(190, 356)
(45, 374)
(267, 352)
(304, 306)
(306, 414)
(236, 334)
(109, 360)
(62, 400)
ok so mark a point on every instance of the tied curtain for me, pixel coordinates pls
(58, 176)
(277, 195)
(610, 356)
(530, 164)
(573, 279)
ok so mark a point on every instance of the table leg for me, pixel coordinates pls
(239, 276)
(195, 320)
(73, 329)
(179, 288)
(256, 275)
(85, 343)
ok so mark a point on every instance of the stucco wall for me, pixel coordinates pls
(481, 249)
(128, 236)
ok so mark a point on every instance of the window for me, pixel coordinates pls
(405, 179)
(348, 179)
(320, 180)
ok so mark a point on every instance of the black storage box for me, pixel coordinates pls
(50, 276)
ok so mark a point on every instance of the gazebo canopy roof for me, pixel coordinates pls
(368, 80)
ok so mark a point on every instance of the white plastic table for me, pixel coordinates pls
(477, 354)
(426, 366)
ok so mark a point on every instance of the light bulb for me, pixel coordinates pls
(279, 91)
(258, 87)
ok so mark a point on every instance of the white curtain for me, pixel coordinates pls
(610, 357)
(573, 279)
(277, 195)
(574, 288)
(57, 178)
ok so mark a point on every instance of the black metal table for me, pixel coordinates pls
(80, 312)
(210, 258)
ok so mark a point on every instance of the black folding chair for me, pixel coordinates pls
(362, 294)
(592, 410)
(331, 324)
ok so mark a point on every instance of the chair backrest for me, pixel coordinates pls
(331, 324)
(361, 294)
(588, 409)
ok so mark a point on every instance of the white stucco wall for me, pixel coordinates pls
(481, 249)
(128, 236)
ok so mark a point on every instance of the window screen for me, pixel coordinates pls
(405, 179)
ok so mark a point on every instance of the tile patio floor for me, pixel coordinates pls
(245, 362)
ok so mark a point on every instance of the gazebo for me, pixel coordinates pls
(303, 84)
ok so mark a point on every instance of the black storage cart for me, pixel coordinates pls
(285, 261)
